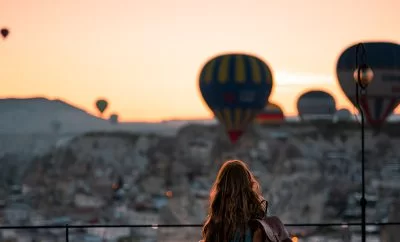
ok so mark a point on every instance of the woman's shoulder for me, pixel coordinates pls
(258, 235)
(278, 226)
(274, 220)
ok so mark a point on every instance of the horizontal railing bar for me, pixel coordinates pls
(177, 225)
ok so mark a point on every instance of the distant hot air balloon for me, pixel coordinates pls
(271, 114)
(316, 105)
(101, 105)
(4, 32)
(236, 88)
(384, 91)
(114, 118)
(343, 115)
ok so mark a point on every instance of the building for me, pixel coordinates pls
(17, 213)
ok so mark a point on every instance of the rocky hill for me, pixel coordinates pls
(302, 170)
(44, 116)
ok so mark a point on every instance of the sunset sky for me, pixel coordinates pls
(144, 56)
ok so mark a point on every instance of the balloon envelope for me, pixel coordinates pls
(114, 118)
(4, 32)
(316, 105)
(101, 105)
(383, 93)
(236, 88)
(271, 114)
(343, 115)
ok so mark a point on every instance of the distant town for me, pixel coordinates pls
(309, 174)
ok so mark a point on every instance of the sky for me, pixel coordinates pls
(144, 56)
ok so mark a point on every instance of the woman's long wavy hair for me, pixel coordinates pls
(235, 199)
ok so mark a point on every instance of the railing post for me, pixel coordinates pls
(363, 76)
(66, 233)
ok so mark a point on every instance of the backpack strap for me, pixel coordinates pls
(270, 234)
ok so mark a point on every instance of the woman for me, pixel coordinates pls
(236, 201)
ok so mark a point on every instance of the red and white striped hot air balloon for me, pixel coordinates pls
(271, 114)
(383, 93)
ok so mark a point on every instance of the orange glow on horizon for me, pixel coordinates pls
(144, 56)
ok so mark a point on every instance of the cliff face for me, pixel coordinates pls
(302, 171)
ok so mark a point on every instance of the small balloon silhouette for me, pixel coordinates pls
(4, 32)
(101, 105)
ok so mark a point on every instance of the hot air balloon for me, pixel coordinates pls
(4, 32)
(101, 105)
(271, 114)
(114, 118)
(343, 115)
(384, 91)
(235, 87)
(316, 105)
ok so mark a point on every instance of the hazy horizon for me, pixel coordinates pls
(150, 52)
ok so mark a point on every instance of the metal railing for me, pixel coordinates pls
(68, 227)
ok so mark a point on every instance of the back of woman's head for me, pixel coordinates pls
(234, 200)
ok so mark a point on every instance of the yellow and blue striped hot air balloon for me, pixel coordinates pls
(272, 114)
(236, 88)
